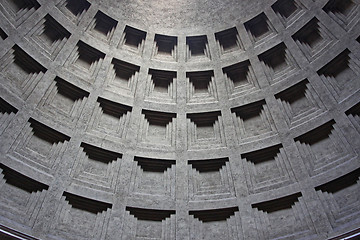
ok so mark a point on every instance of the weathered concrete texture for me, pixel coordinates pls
(200, 119)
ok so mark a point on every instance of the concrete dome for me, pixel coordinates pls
(201, 119)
